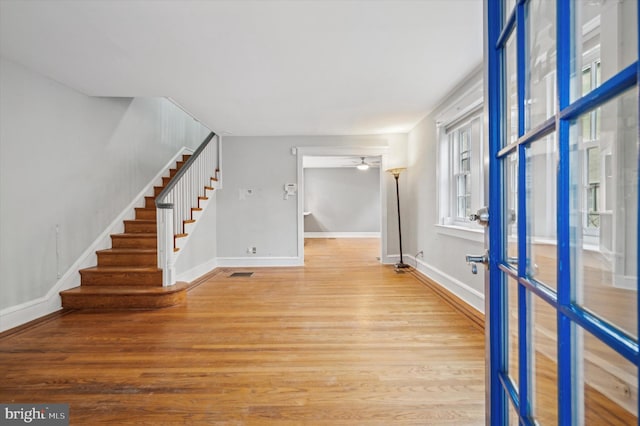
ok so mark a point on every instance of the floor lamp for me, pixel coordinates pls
(396, 174)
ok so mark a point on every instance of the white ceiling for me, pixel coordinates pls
(257, 67)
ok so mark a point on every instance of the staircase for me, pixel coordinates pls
(127, 275)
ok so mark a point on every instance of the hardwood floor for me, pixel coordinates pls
(343, 340)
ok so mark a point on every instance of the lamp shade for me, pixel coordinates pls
(396, 171)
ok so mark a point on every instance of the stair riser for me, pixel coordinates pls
(133, 227)
(149, 202)
(157, 190)
(117, 301)
(143, 279)
(146, 214)
(127, 259)
(132, 242)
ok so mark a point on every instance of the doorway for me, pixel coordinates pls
(377, 154)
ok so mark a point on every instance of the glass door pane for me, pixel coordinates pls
(608, 384)
(542, 241)
(541, 82)
(604, 43)
(544, 372)
(512, 325)
(511, 98)
(511, 213)
(605, 212)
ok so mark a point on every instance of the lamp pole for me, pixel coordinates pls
(396, 174)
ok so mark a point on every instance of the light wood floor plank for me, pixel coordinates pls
(343, 340)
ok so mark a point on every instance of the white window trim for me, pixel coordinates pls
(446, 195)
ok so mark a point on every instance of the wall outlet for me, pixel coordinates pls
(252, 250)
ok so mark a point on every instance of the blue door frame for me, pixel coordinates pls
(501, 390)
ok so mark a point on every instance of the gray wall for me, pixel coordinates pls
(199, 255)
(444, 253)
(69, 165)
(342, 199)
(264, 164)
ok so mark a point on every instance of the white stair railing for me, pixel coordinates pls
(175, 204)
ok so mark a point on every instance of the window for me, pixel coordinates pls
(460, 142)
(461, 182)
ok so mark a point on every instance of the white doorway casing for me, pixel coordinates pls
(356, 151)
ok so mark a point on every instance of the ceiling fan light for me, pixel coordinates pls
(362, 165)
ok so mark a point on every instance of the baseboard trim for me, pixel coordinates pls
(33, 310)
(466, 300)
(194, 274)
(205, 277)
(259, 261)
(34, 323)
(342, 235)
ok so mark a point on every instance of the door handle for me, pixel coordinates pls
(473, 260)
(481, 216)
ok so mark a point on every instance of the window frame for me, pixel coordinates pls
(449, 166)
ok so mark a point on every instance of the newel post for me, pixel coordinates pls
(164, 218)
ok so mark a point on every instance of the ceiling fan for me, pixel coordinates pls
(365, 162)
(363, 165)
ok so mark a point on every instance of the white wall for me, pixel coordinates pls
(69, 164)
(199, 256)
(264, 164)
(444, 249)
(342, 199)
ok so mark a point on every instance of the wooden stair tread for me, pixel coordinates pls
(124, 297)
(112, 269)
(135, 235)
(129, 251)
(122, 290)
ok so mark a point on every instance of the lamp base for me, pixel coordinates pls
(401, 265)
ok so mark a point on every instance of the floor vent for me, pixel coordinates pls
(241, 275)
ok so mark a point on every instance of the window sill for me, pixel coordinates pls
(461, 232)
